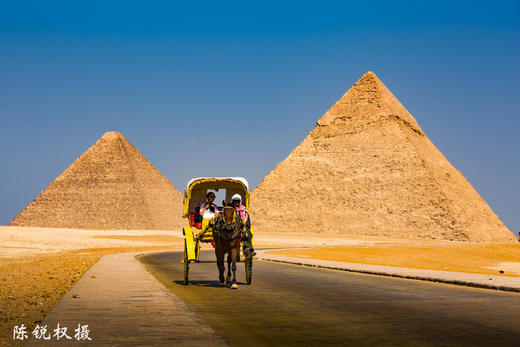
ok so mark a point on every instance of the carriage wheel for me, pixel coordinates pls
(186, 264)
(249, 270)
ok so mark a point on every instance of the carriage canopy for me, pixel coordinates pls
(197, 188)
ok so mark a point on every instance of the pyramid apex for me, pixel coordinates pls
(365, 101)
(370, 75)
(112, 135)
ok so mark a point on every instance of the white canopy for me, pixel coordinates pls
(241, 179)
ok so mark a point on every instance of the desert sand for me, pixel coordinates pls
(491, 259)
(39, 265)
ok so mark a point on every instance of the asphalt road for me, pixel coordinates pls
(295, 305)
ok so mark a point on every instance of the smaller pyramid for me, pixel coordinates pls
(110, 186)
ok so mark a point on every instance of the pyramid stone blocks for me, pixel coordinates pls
(368, 168)
(110, 186)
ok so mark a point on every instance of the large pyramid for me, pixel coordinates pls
(368, 168)
(110, 186)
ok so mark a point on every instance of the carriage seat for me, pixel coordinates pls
(193, 223)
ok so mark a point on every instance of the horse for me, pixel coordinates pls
(227, 231)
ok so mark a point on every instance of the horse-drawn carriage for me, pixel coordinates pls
(199, 232)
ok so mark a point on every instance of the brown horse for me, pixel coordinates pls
(226, 234)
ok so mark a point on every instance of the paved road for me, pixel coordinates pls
(119, 309)
(294, 305)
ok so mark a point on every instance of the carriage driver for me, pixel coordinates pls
(236, 201)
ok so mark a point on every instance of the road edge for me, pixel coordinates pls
(500, 283)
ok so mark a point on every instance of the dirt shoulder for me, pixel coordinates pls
(306, 239)
(469, 258)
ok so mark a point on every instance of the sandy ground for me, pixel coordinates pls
(306, 239)
(39, 265)
(493, 259)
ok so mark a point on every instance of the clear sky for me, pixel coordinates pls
(181, 81)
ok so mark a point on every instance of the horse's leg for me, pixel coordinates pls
(234, 253)
(220, 264)
(229, 259)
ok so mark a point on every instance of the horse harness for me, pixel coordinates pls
(228, 229)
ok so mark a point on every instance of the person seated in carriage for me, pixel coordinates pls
(208, 209)
(196, 218)
(241, 210)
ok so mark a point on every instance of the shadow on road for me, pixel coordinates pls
(214, 284)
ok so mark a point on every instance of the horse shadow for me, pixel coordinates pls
(210, 284)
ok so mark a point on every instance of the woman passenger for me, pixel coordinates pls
(208, 208)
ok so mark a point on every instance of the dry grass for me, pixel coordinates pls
(485, 259)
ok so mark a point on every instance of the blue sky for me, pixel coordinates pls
(177, 78)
